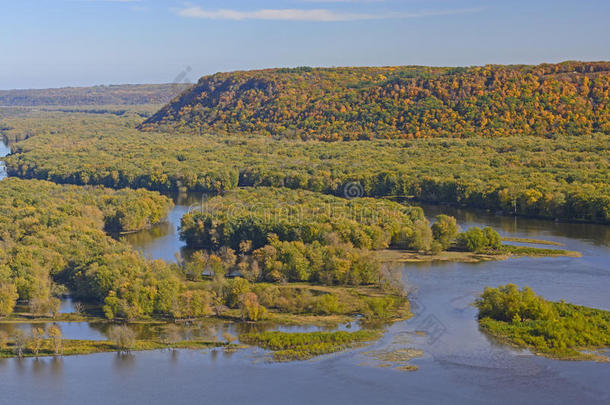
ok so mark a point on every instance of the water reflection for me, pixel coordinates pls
(162, 241)
(70, 330)
(198, 330)
(124, 361)
(520, 226)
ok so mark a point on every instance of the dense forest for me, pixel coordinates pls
(397, 102)
(53, 241)
(305, 236)
(125, 94)
(19, 123)
(564, 177)
(253, 214)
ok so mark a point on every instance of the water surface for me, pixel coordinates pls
(4, 151)
(460, 363)
(162, 241)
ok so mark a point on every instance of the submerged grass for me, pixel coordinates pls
(399, 353)
(530, 240)
(503, 253)
(71, 347)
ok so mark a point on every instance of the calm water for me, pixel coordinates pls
(460, 364)
(162, 241)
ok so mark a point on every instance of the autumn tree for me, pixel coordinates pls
(123, 337)
(445, 230)
(54, 333)
(8, 298)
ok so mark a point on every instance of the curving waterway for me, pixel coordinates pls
(460, 364)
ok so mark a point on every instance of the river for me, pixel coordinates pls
(4, 150)
(460, 364)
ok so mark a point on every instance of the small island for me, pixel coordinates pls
(552, 329)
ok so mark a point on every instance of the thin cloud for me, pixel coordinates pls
(104, 1)
(343, 1)
(316, 15)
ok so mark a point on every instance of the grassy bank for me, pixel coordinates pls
(303, 346)
(71, 347)
(505, 252)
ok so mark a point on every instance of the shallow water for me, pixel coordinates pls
(187, 331)
(460, 364)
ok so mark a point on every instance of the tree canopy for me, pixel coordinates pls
(397, 102)
(563, 177)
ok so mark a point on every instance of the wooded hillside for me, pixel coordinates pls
(397, 102)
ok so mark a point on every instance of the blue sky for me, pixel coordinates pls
(53, 43)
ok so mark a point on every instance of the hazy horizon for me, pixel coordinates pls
(196, 77)
(78, 43)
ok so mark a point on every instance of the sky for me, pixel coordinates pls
(57, 43)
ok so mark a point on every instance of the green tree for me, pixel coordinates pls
(251, 309)
(473, 240)
(445, 230)
(421, 239)
(493, 238)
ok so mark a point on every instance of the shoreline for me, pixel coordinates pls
(82, 347)
(508, 251)
(581, 356)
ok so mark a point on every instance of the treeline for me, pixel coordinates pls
(560, 178)
(397, 102)
(125, 94)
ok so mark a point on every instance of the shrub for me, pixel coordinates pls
(326, 304)
(478, 240)
(251, 309)
(122, 336)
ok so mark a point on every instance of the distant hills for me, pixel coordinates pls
(125, 94)
(396, 102)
